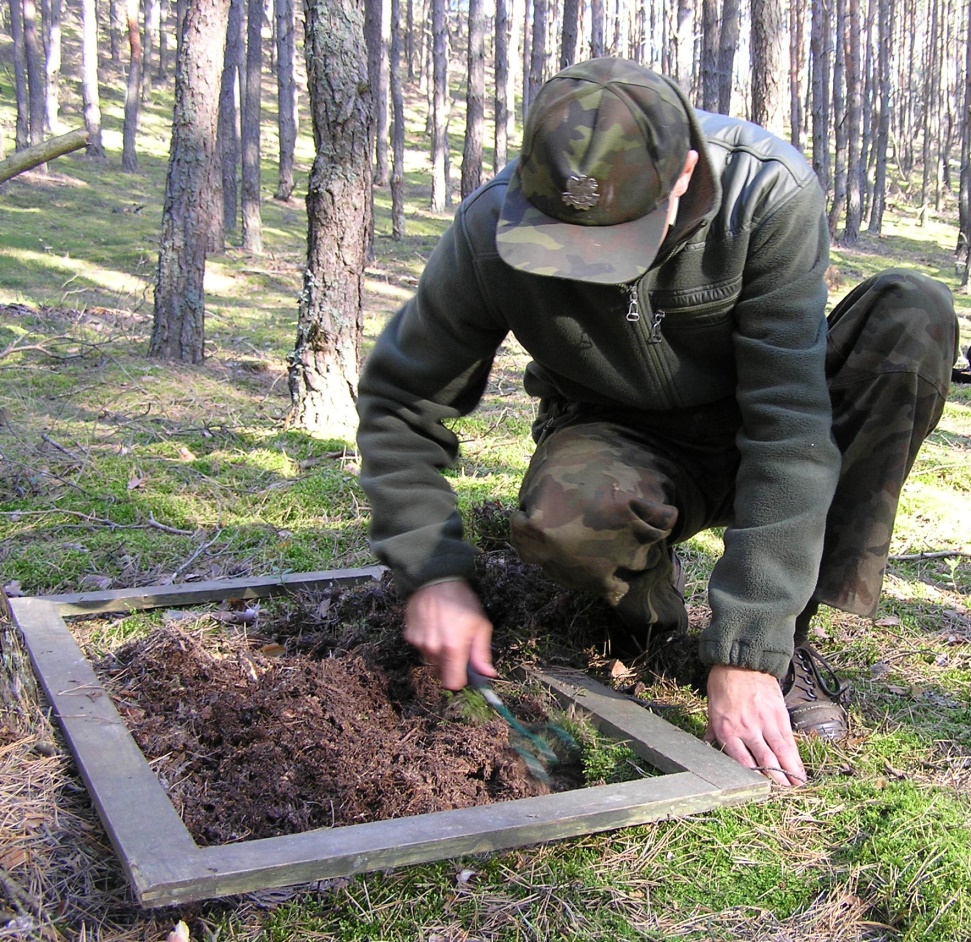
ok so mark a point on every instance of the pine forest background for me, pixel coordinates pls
(876, 93)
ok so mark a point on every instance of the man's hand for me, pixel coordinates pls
(747, 718)
(446, 623)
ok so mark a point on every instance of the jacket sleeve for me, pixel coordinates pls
(430, 364)
(788, 461)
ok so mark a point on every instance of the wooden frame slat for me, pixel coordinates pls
(162, 861)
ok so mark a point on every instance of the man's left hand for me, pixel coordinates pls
(747, 718)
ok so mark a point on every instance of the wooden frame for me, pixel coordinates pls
(163, 862)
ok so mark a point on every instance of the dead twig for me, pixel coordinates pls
(64, 451)
(196, 555)
(152, 524)
(17, 346)
(942, 554)
(18, 897)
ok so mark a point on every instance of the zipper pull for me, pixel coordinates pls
(655, 334)
(633, 305)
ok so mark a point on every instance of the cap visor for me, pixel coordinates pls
(531, 241)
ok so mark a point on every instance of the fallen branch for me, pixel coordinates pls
(152, 524)
(178, 572)
(942, 554)
(41, 153)
(50, 441)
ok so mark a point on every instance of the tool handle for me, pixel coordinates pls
(477, 681)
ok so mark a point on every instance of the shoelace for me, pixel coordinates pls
(811, 660)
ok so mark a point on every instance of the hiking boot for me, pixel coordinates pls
(814, 695)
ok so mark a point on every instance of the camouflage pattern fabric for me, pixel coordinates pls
(607, 492)
(605, 142)
(892, 343)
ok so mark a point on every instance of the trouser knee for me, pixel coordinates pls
(898, 321)
(590, 514)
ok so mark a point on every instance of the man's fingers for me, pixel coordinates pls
(759, 757)
(480, 656)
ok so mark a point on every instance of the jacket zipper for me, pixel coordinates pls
(634, 315)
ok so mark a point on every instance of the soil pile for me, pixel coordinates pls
(343, 724)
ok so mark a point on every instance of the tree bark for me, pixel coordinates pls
(151, 28)
(596, 28)
(854, 108)
(40, 153)
(797, 23)
(286, 96)
(36, 95)
(537, 57)
(397, 126)
(230, 90)
(931, 104)
(22, 129)
(963, 247)
(882, 141)
(439, 105)
(179, 318)
(568, 34)
(728, 43)
(133, 92)
(767, 32)
(324, 363)
(839, 119)
(820, 77)
(709, 55)
(474, 101)
(116, 27)
(52, 63)
(90, 95)
(500, 152)
(250, 130)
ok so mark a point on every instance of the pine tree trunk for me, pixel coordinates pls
(537, 56)
(178, 328)
(90, 95)
(820, 77)
(839, 119)
(22, 130)
(568, 35)
(596, 28)
(797, 26)
(228, 135)
(152, 18)
(767, 32)
(286, 96)
(854, 108)
(931, 67)
(500, 152)
(52, 63)
(133, 93)
(324, 362)
(250, 130)
(963, 247)
(397, 126)
(709, 55)
(439, 105)
(36, 95)
(727, 44)
(882, 143)
(474, 101)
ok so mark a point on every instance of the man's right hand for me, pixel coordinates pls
(446, 623)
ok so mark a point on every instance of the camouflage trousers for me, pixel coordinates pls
(607, 494)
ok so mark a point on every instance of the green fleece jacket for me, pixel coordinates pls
(733, 307)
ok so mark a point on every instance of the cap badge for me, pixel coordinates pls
(582, 192)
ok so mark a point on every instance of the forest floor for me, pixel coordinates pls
(119, 471)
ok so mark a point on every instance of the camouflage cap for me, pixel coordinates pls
(604, 143)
